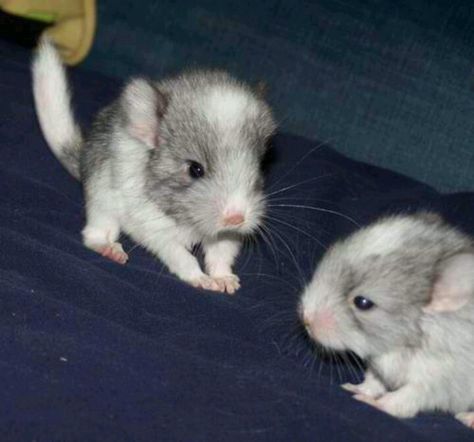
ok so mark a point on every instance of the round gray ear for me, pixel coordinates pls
(144, 106)
(454, 286)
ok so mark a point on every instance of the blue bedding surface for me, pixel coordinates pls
(90, 350)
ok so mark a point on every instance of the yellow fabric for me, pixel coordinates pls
(73, 21)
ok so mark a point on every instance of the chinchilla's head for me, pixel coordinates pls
(372, 289)
(207, 134)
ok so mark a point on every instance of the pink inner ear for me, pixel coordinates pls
(146, 133)
(142, 103)
(455, 285)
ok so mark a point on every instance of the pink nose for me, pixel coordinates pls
(233, 219)
(324, 319)
(318, 323)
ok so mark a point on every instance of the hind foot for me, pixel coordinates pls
(102, 238)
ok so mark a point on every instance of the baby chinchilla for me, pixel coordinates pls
(171, 163)
(400, 294)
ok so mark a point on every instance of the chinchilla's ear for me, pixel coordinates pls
(143, 106)
(454, 286)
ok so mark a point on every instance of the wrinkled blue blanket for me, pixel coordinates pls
(91, 350)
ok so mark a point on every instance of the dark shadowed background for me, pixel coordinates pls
(389, 82)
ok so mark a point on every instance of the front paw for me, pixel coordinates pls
(391, 403)
(227, 283)
(114, 252)
(205, 282)
(224, 284)
(370, 389)
(467, 418)
(367, 400)
(356, 389)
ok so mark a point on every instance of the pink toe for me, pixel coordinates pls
(114, 255)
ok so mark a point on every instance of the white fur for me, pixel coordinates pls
(384, 238)
(220, 255)
(120, 205)
(52, 99)
(420, 381)
(227, 107)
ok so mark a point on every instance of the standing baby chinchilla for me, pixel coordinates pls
(172, 164)
(400, 294)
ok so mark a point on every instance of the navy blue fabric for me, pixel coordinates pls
(389, 82)
(90, 350)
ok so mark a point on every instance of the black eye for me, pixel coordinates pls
(363, 303)
(195, 170)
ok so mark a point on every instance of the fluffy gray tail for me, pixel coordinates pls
(53, 107)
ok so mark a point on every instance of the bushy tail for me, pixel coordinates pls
(53, 107)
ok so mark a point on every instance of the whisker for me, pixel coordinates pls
(331, 366)
(359, 368)
(300, 276)
(298, 230)
(273, 277)
(338, 368)
(353, 370)
(267, 240)
(306, 155)
(318, 352)
(318, 209)
(292, 186)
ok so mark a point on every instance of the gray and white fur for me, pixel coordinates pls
(400, 294)
(171, 163)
